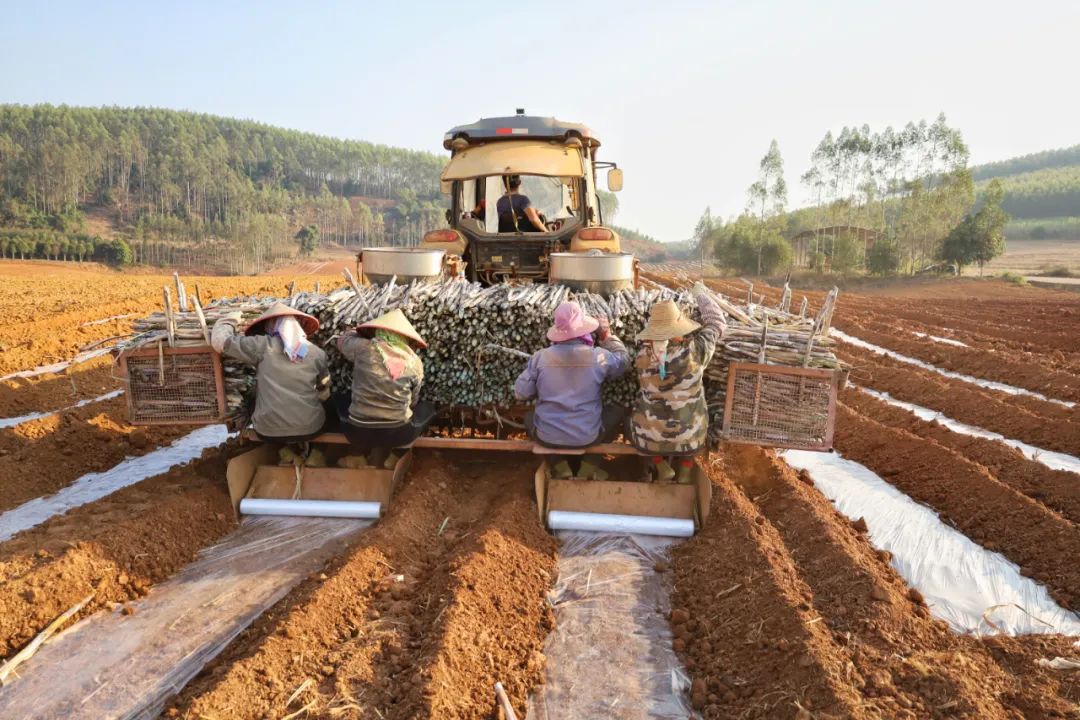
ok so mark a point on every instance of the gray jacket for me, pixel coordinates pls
(287, 394)
(377, 398)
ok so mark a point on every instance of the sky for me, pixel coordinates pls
(684, 96)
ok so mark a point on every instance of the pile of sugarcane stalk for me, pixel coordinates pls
(480, 338)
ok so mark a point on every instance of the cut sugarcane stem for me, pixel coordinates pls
(32, 647)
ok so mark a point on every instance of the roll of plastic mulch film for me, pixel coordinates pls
(310, 508)
(630, 524)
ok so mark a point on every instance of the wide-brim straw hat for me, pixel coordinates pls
(395, 321)
(571, 322)
(667, 321)
(278, 310)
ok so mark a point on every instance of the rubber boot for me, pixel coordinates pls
(685, 476)
(315, 458)
(352, 462)
(561, 470)
(391, 460)
(591, 472)
(664, 471)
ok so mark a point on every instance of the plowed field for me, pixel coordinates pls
(782, 607)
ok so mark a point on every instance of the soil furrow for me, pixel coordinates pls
(745, 625)
(45, 393)
(39, 457)
(1054, 384)
(115, 548)
(988, 511)
(1050, 426)
(1056, 489)
(416, 621)
(884, 627)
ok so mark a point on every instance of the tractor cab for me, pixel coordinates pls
(550, 162)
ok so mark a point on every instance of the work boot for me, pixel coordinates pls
(391, 460)
(664, 471)
(315, 458)
(685, 476)
(561, 471)
(353, 462)
(591, 472)
(286, 456)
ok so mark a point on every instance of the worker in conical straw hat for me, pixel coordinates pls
(565, 378)
(384, 410)
(670, 417)
(292, 376)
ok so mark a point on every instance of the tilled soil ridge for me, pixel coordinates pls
(1044, 544)
(41, 456)
(115, 548)
(433, 604)
(1056, 489)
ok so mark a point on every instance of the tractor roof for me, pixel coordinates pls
(520, 127)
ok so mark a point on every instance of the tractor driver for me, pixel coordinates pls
(516, 211)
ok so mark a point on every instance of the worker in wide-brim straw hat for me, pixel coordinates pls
(291, 373)
(670, 417)
(384, 409)
(565, 378)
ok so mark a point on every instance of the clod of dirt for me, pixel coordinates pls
(138, 439)
(879, 593)
(679, 616)
(915, 596)
(660, 566)
(804, 477)
(860, 525)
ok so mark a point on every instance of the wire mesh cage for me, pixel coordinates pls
(779, 406)
(173, 386)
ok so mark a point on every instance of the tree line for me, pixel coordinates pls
(881, 200)
(51, 245)
(187, 184)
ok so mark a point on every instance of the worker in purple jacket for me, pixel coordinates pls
(565, 378)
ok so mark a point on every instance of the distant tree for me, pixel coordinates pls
(768, 195)
(884, 257)
(308, 238)
(990, 223)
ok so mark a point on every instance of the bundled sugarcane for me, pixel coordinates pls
(480, 338)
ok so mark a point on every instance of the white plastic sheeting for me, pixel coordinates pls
(112, 665)
(942, 340)
(93, 486)
(311, 508)
(989, 384)
(963, 583)
(1049, 458)
(625, 524)
(13, 421)
(58, 367)
(610, 654)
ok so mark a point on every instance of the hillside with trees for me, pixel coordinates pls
(182, 188)
(1042, 192)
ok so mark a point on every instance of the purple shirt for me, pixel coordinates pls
(565, 379)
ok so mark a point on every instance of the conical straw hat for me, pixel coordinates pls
(667, 321)
(280, 309)
(395, 321)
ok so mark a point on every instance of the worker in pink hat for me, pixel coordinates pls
(565, 378)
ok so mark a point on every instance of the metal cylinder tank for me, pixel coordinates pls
(407, 264)
(595, 272)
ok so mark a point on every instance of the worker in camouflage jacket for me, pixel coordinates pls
(670, 417)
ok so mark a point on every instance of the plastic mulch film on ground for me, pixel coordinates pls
(610, 654)
(127, 666)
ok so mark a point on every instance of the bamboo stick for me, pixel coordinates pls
(34, 645)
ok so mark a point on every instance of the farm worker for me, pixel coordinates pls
(565, 378)
(516, 211)
(384, 410)
(670, 417)
(291, 377)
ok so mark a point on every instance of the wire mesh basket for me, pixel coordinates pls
(777, 406)
(173, 386)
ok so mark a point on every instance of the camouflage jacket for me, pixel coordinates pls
(670, 416)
